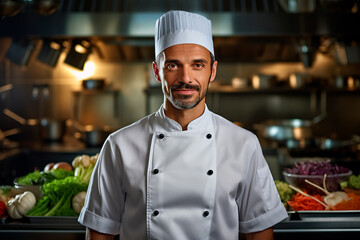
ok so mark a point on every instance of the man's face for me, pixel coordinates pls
(185, 72)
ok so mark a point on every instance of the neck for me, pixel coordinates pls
(184, 116)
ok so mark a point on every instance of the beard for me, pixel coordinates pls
(187, 101)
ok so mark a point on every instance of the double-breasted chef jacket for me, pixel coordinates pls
(155, 181)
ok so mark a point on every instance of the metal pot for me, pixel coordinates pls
(282, 130)
(299, 143)
(91, 135)
(333, 144)
(91, 84)
(263, 81)
(45, 7)
(298, 80)
(338, 5)
(298, 6)
(9, 8)
(52, 129)
(95, 137)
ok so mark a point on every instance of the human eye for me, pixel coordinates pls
(172, 66)
(198, 65)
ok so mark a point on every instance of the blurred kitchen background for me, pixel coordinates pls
(73, 71)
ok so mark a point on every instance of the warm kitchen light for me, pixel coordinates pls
(55, 45)
(256, 81)
(88, 71)
(351, 83)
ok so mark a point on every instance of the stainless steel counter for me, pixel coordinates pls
(319, 225)
(325, 225)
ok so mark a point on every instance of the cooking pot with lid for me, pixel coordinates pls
(285, 129)
(52, 129)
(92, 136)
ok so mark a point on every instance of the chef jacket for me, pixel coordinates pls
(154, 181)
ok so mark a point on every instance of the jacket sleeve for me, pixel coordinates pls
(104, 203)
(259, 203)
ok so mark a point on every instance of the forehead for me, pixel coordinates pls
(187, 52)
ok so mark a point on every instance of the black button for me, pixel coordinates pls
(155, 171)
(156, 212)
(161, 136)
(210, 172)
(208, 136)
(206, 213)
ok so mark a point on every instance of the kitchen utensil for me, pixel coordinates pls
(91, 84)
(263, 81)
(95, 137)
(52, 130)
(333, 144)
(298, 6)
(286, 129)
(346, 82)
(298, 80)
(9, 8)
(338, 5)
(299, 143)
(91, 135)
(45, 7)
(16, 117)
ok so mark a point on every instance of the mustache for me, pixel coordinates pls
(185, 86)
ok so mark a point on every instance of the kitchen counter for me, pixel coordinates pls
(310, 226)
(318, 225)
(37, 229)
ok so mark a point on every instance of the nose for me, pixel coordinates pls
(186, 74)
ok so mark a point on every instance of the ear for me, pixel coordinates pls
(213, 72)
(156, 71)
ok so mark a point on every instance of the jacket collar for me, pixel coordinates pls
(201, 123)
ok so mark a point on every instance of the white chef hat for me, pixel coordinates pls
(180, 27)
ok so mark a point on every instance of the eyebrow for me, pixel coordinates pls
(201, 60)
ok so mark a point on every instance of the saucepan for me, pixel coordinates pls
(52, 129)
(49, 129)
(287, 129)
(92, 136)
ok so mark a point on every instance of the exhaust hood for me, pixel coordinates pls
(244, 30)
(136, 18)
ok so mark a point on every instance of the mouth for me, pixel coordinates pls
(185, 91)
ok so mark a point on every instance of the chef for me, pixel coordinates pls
(182, 172)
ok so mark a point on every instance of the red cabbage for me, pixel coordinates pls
(316, 168)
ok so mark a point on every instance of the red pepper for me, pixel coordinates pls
(2, 209)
